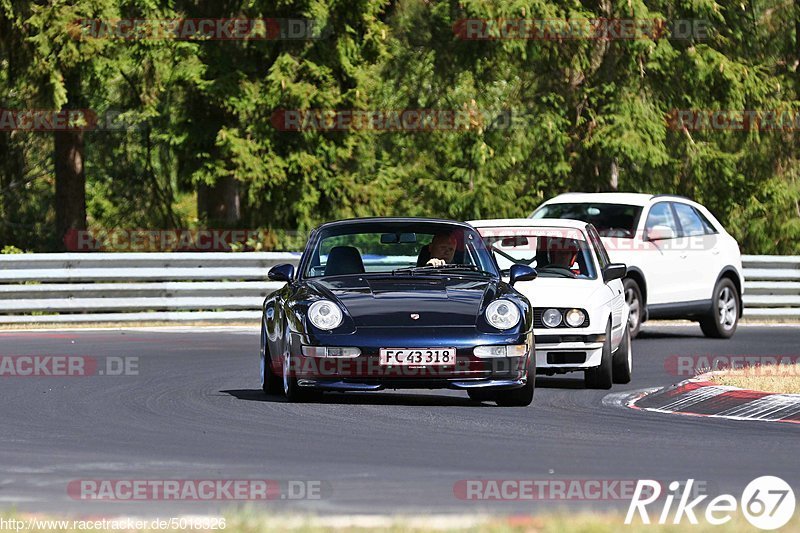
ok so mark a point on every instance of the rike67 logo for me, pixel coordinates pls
(767, 502)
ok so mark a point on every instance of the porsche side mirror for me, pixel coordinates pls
(521, 273)
(614, 271)
(283, 272)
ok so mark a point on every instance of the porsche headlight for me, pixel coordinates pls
(502, 314)
(325, 314)
(551, 318)
(575, 317)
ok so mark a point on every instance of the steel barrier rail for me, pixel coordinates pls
(230, 287)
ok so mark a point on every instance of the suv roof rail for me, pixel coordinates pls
(673, 196)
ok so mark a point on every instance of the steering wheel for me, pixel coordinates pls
(560, 270)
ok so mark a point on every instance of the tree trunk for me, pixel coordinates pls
(69, 170)
(219, 204)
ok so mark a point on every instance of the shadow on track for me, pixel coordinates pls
(365, 398)
(560, 382)
(663, 334)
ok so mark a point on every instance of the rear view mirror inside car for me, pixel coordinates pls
(398, 238)
(513, 242)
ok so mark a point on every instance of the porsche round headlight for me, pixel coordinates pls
(575, 317)
(551, 318)
(502, 314)
(325, 314)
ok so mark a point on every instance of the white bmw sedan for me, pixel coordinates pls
(580, 316)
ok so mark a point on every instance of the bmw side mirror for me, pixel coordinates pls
(614, 271)
(283, 272)
(521, 273)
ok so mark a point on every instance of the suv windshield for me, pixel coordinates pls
(611, 220)
(385, 247)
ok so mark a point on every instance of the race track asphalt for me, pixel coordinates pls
(194, 410)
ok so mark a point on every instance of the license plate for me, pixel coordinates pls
(418, 356)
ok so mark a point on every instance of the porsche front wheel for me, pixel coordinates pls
(270, 383)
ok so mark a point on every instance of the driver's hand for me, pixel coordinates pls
(435, 262)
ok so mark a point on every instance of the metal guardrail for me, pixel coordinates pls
(135, 287)
(225, 287)
(771, 286)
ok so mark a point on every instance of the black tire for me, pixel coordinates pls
(723, 318)
(295, 393)
(521, 397)
(633, 297)
(601, 376)
(480, 395)
(270, 383)
(622, 361)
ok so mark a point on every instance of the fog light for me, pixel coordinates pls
(330, 351)
(343, 352)
(515, 350)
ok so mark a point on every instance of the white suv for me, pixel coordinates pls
(681, 261)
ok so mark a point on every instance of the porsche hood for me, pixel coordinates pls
(410, 301)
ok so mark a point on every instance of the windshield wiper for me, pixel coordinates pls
(412, 270)
(430, 269)
(471, 268)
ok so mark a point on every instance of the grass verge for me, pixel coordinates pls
(783, 379)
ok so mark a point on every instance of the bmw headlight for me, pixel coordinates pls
(502, 314)
(325, 314)
(551, 318)
(575, 317)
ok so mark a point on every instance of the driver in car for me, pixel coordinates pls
(442, 249)
(562, 253)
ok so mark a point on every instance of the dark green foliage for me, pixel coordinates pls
(588, 115)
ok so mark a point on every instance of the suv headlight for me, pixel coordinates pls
(502, 314)
(325, 314)
(551, 318)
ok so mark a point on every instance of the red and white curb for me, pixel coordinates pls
(700, 397)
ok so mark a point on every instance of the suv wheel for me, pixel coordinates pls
(633, 297)
(723, 318)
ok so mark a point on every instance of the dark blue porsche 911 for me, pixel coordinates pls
(371, 307)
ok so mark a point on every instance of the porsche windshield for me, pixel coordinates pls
(386, 247)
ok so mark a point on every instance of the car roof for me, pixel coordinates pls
(530, 223)
(625, 198)
(382, 220)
